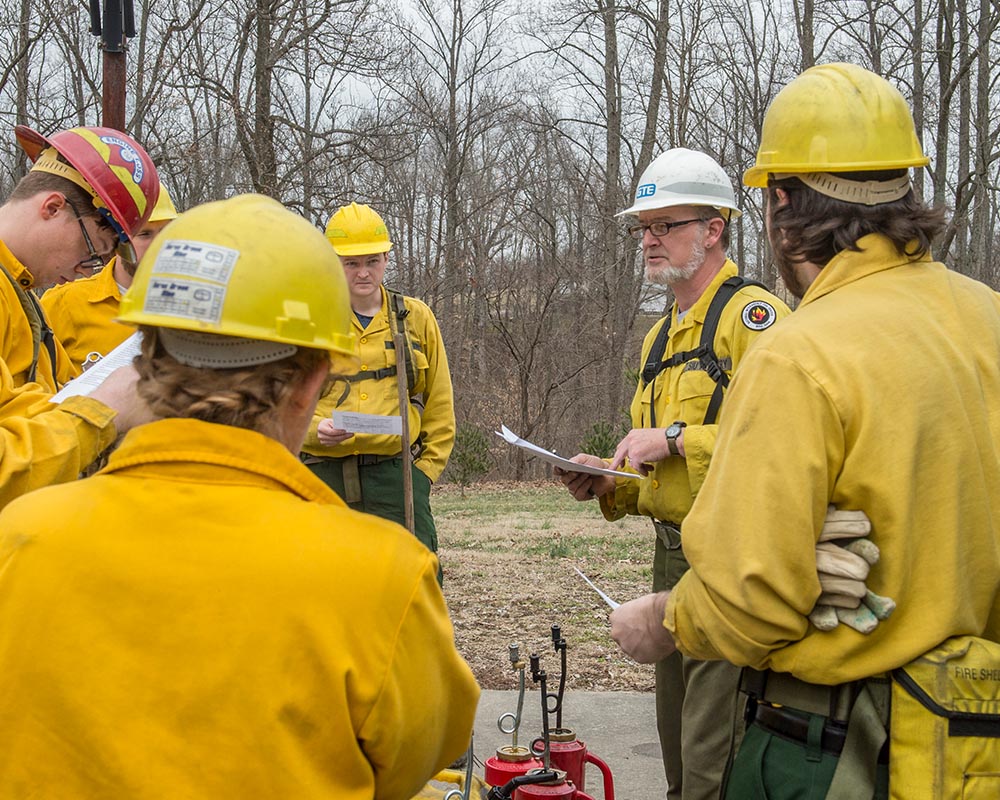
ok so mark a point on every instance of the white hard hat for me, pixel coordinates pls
(682, 177)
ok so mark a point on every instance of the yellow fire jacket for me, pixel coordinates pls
(204, 618)
(40, 444)
(682, 393)
(882, 393)
(82, 314)
(17, 347)
(435, 425)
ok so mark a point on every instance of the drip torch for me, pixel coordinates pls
(560, 773)
(512, 760)
(562, 749)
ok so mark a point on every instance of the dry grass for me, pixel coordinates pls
(508, 552)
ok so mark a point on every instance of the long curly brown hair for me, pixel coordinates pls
(244, 397)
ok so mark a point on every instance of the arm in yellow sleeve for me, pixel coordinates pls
(750, 537)
(438, 421)
(624, 500)
(699, 446)
(43, 444)
(699, 440)
(419, 726)
(323, 410)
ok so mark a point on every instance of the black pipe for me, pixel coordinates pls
(128, 18)
(95, 17)
(113, 36)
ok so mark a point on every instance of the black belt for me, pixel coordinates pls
(669, 534)
(794, 727)
(790, 725)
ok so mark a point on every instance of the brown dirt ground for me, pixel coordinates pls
(508, 579)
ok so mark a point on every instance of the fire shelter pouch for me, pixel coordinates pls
(945, 723)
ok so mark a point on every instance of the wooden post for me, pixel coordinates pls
(399, 343)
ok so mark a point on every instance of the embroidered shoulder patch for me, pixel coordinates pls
(758, 315)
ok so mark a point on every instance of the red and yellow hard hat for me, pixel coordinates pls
(107, 163)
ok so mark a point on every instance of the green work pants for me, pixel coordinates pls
(698, 706)
(382, 493)
(771, 767)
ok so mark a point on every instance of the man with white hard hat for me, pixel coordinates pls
(685, 205)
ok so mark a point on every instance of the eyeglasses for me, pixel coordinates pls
(658, 229)
(95, 261)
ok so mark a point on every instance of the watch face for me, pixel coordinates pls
(674, 431)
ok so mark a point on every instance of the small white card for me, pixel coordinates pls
(368, 423)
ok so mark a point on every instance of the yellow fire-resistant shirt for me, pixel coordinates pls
(206, 619)
(82, 314)
(435, 423)
(682, 393)
(881, 393)
(17, 343)
(40, 444)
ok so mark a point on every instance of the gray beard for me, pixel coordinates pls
(667, 276)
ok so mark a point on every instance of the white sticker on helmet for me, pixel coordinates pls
(183, 299)
(196, 260)
(189, 280)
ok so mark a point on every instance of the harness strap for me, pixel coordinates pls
(704, 352)
(377, 374)
(710, 360)
(867, 730)
(41, 333)
(397, 324)
(398, 312)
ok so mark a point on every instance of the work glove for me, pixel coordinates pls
(844, 556)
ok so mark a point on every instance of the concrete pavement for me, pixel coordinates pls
(618, 727)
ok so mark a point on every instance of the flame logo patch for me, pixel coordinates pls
(758, 315)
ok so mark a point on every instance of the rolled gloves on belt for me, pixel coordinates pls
(844, 556)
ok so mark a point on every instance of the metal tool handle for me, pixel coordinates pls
(463, 793)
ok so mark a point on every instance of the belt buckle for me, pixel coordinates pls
(669, 534)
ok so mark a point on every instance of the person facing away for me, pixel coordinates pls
(366, 468)
(89, 192)
(82, 313)
(684, 205)
(879, 393)
(217, 623)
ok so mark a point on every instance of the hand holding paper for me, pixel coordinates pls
(565, 464)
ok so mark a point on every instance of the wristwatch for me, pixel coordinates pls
(672, 433)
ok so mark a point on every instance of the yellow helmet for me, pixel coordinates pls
(245, 267)
(164, 210)
(357, 230)
(836, 118)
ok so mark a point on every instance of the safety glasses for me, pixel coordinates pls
(95, 260)
(658, 229)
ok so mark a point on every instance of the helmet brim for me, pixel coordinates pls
(30, 141)
(363, 249)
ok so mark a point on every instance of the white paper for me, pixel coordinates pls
(368, 423)
(509, 436)
(121, 356)
(611, 603)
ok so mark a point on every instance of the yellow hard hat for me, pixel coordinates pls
(836, 118)
(357, 230)
(245, 267)
(164, 210)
